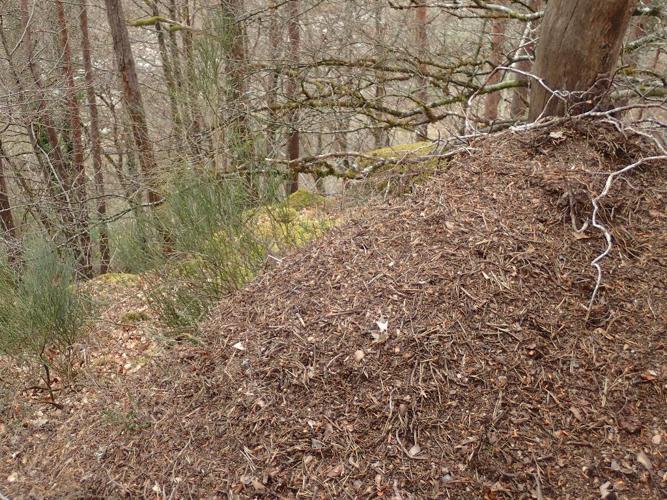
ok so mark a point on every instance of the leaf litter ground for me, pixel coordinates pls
(436, 345)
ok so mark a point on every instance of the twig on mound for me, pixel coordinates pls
(607, 234)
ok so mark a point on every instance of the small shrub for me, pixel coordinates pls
(40, 305)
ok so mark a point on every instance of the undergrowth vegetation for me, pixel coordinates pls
(208, 238)
(41, 309)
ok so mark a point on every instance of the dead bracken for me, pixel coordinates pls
(436, 345)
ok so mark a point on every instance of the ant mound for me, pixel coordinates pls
(444, 343)
(439, 344)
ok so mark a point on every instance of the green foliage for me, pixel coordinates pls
(40, 306)
(212, 252)
(218, 234)
(135, 244)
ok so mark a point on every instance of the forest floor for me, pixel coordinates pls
(439, 344)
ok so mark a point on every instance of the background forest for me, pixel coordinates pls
(166, 135)
(333, 249)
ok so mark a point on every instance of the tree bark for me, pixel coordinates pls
(273, 78)
(6, 218)
(78, 195)
(421, 38)
(294, 43)
(492, 101)
(44, 119)
(239, 136)
(380, 136)
(95, 142)
(520, 97)
(195, 125)
(132, 95)
(579, 45)
(170, 82)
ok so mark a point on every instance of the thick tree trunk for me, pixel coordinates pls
(95, 142)
(577, 52)
(78, 195)
(132, 95)
(294, 43)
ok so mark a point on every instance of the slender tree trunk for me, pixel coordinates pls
(176, 66)
(6, 218)
(380, 136)
(95, 142)
(132, 95)
(497, 40)
(421, 38)
(79, 196)
(170, 82)
(579, 45)
(55, 155)
(195, 126)
(294, 47)
(273, 78)
(56, 169)
(33, 208)
(239, 136)
(519, 104)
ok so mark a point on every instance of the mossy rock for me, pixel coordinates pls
(280, 227)
(403, 150)
(134, 317)
(118, 278)
(399, 176)
(302, 199)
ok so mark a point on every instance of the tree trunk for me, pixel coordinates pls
(492, 101)
(421, 38)
(132, 95)
(380, 136)
(294, 43)
(519, 105)
(7, 226)
(79, 197)
(95, 142)
(195, 125)
(239, 136)
(579, 45)
(59, 186)
(170, 82)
